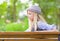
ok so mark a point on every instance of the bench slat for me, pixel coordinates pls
(31, 40)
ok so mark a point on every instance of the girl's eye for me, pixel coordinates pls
(29, 13)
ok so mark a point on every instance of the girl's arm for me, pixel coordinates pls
(46, 27)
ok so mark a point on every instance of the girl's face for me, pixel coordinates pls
(30, 15)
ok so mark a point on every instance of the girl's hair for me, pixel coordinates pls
(37, 18)
(40, 17)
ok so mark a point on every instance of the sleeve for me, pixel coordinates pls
(45, 26)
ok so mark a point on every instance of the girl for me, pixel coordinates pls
(36, 21)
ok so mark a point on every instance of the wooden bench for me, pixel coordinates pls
(29, 36)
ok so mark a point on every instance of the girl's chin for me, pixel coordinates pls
(31, 19)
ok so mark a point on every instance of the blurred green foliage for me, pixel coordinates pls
(22, 26)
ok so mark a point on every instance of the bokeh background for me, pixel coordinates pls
(13, 15)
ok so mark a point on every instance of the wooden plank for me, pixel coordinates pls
(29, 34)
(40, 35)
(1, 40)
(31, 40)
(37, 36)
(18, 33)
